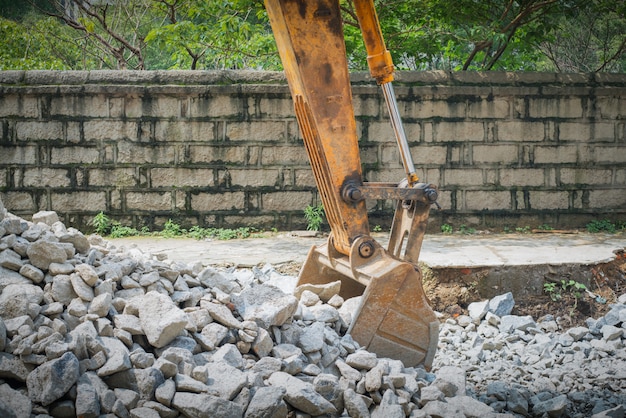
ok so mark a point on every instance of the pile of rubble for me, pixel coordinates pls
(87, 329)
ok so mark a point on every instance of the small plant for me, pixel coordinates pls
(545, 227)
(377, 228)
(446, 229)
(523, 229)
(507, 230)
(552, 290)
(465, 230)
(314, 215)
(172, 229)
(121, 231)
(101, 224)
(603, 225)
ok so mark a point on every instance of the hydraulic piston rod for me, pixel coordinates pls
(398, 129)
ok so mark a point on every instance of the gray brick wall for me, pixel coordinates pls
(223, 149)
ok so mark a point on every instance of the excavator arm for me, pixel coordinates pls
(394, 318)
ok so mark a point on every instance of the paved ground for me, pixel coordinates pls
(437, 251)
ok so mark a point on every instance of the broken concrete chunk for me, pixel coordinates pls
(266, 305)
(160, 319)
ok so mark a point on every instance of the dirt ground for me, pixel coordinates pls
(572, 306)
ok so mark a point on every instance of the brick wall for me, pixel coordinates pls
(223, 149)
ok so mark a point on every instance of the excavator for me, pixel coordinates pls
(394, 318)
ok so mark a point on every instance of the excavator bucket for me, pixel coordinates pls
(394, 318)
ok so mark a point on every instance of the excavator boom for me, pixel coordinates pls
(394, 318)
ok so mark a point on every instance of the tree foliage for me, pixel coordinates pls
(512, 35)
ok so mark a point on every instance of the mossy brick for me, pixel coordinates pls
(486, 200)
(76, 105)
(257, 177)
(555, 153)
(184, 131)
(279, 201)
(586, 132)
(520, 131)
(462, 177)
(304, 178)
(78, 201)
(488, 108)
(587, 176)
(608, 199)
(256, 131)
(609, 154)
(74, 155)
(161, 107)
(22, 106)
(109, 129)
(390, 156)
(116, 177)
(522, 177)
(181, 177)
(383, 131)
(206, 154)
(218, 106)
(272, 107)
(21, 201)
(460, 131)
(498, 154)
(37, 131)
(133, 153)
(367, 106)
(148, 201)
(294, 155)
(207, 202)
(428, 109)
(555, 107)
(611, 107)
(46, 177)
(388, 175)
(548, 199)
(24, 155)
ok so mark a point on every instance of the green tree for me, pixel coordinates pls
(215, 35)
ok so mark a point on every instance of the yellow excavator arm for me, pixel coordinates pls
(393, 319)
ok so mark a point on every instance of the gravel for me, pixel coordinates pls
(88, 329)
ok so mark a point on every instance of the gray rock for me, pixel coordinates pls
(451, 381)
(12, 367)
(389, 407)
(362, 360)
(160, 319)
(195, 405)
(11, 260)
(15, 299)
(324, 291)
(266, 305)
(31, 272)
(47, 217)
(267, 402)
(220, 313)
(554, 407)
(312, 339)
(142, 381)
(211, 277)
(440, 409)
(87, 399)
(501, 305)
(510, 323)
(478, 310)
(301, 395)
(165, 392)
(41, 253)
(617, 412)
(13, 403)
(82, 289)
(355, 404)
(225, 379)
(471, 407)
(53, 379)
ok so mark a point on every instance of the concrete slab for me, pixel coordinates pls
(438, 251)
